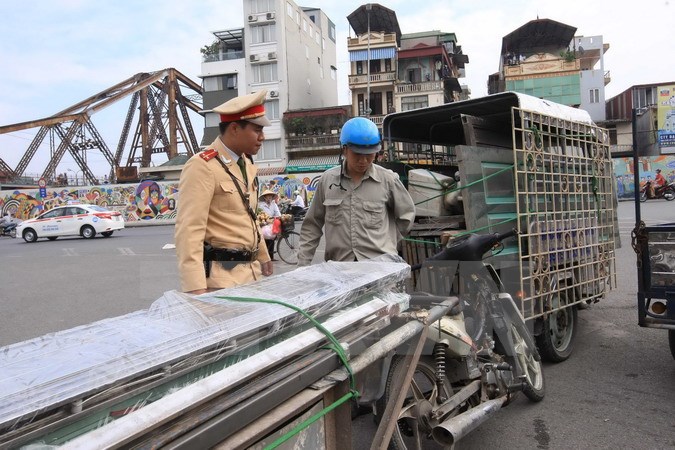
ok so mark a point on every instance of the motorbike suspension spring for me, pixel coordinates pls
(439, 358)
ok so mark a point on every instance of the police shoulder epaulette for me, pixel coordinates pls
(208, 155)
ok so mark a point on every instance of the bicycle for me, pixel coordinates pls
(288, 242)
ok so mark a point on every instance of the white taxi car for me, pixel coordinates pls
(71, 220)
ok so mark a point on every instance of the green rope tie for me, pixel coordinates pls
(335, 346)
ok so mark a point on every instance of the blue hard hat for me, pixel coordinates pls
(361, 135)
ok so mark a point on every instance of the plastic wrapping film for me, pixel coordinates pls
(44, 373)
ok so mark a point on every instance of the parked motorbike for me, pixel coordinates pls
(476, 358)
(7, 228)
(666, 191)
(297, 212)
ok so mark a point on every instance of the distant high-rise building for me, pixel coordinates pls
(545, 59)
(283, 48)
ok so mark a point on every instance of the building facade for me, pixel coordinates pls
(545, 59)
(286, 49)
(391, 71)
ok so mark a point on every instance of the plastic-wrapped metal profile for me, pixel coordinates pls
(48, 372)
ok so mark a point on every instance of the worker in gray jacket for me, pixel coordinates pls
(363, 208)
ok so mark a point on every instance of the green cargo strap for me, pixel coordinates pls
(336, 347)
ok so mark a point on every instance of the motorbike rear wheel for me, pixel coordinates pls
(671, 342)
(529, 365)
(413, 429)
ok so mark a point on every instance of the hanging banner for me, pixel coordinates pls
(666, 118)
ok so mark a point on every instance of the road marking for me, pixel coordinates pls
(69, 252)
(126, 251)
(168, 246)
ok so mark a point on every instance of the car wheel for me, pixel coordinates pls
(52, 238)
(29, 235)
(107, 233)
(88, 232)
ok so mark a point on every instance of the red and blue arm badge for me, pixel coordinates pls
(208, 155)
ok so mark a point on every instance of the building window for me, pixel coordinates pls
(220, 83)
(311, 32)
(387, 65)
(264, 73)
(331, 32)
(270, 150)
(594, 95)
(272, 109)
(263, 33)
(333, 72)
(414, 102)
(304, 25)
(261, 6)
(359, 67)
(323, 43)
(317, 38)
(289, 10)
(307, 51)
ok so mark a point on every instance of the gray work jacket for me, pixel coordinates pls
(360, 221)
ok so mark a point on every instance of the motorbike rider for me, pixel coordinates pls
(659, 181)
(298, 203)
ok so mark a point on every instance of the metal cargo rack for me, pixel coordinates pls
(523, 163)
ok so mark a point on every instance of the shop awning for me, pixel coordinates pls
(375, 53)
(312, 164)
(267, 171)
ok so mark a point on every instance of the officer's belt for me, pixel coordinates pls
(226, 254)
(227, 258)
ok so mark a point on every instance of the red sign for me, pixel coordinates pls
(42, 183)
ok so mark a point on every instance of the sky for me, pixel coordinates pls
(55, 53)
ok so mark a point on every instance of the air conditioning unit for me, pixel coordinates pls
(274, 94)
(253, 58)
(270, 16)
(252, 18)
(272, 55)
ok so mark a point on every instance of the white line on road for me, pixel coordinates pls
(69, 252)
(126, 251)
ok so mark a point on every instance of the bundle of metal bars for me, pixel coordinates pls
(48, 381)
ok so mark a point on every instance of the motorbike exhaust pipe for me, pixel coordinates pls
(452, 430)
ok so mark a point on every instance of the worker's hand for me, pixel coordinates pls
(267, 268)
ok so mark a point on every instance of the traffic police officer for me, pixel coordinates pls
(363, 207)
(218, 239)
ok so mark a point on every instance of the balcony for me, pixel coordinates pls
(222, 56)
(427, 86)
(375, 39)
(380, 77)
(312, 142)
(608, 78)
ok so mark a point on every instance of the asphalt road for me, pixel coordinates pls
(616, 391)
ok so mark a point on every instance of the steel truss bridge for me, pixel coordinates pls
(157, 114)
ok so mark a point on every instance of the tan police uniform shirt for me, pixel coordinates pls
(360, 221)
(211, 210)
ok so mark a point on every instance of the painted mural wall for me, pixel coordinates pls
(144, 203)
(625, 178)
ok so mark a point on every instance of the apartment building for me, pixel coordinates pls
(545, 59)
(284, 48)
(392, 71)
